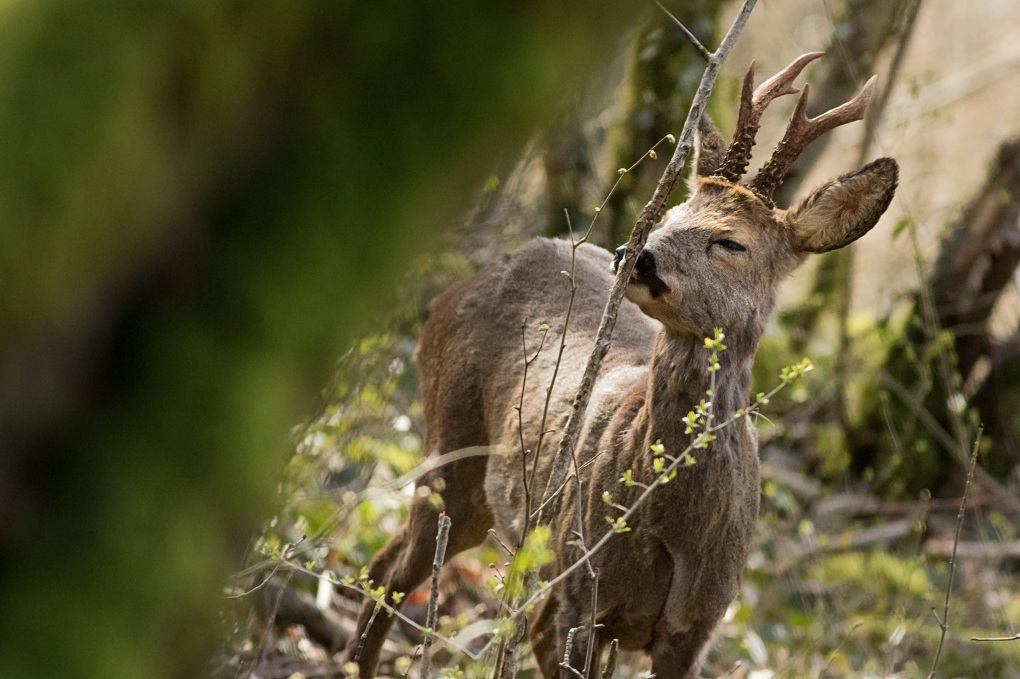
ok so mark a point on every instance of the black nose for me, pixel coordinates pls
(619, 257)
(645, 265)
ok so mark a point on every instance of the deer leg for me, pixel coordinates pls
(568, 619)
(406, 560)
(678, 655)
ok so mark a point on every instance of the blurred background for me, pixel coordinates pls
(220, 226)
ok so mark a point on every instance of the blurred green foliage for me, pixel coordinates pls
(200, 203)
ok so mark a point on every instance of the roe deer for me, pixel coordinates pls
(715, 262)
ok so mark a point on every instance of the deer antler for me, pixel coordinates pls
(738, 155)
(801, 132)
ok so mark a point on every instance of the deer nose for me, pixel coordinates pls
(619, 257)
(644, 267)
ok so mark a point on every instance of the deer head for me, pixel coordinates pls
(716, 260)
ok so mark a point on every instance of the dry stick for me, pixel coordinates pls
(569, 648)
(1015, 637)
(944, 621)
(414, 655)
(574, 244)
(592, 623)
(614, 649)
(430, 620)
(651, 214)
(520, 413)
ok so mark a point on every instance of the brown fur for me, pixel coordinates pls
(665, 584)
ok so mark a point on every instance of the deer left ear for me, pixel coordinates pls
(711, 147)
(845, 209)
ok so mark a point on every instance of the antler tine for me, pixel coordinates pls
(752, 106)
(802, 131)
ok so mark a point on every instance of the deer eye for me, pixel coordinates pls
(731, 245)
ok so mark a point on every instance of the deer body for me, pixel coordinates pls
(715, 262)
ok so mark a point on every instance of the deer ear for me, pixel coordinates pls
(845, 209)
(711, 147)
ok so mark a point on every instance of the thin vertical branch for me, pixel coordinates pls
(592, 623)
(944, 620)
(430, 620)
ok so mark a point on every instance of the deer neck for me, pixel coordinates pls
(679, 379)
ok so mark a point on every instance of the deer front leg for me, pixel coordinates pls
(700, 591)
(578, 619)
(678, 655)
(543, 637)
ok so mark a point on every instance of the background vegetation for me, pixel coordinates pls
(204, 203)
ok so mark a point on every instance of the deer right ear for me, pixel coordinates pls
(845, 209)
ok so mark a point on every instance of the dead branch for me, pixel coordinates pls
(944, 621)
(1015, 637)
(442, 536)
(614, 648)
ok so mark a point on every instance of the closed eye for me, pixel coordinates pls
(731, 245)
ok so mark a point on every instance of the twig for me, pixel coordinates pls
(842, 641)
(614, 649)
(520, 415)
(417, 650)
(844, 295)
(705, 54)
(646, 493)
(569, 649)
(944, 621)
(1015, 637)
(430, 620)
(364, 635)
(592, 625)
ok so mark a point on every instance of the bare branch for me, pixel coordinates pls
(1015, 637)
(690, 36)
(944, 622)
(565, 664)
(614, 649)
(430, 620)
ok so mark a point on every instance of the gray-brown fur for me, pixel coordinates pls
(665, 584)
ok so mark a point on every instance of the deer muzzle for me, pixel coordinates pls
(644, 272)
